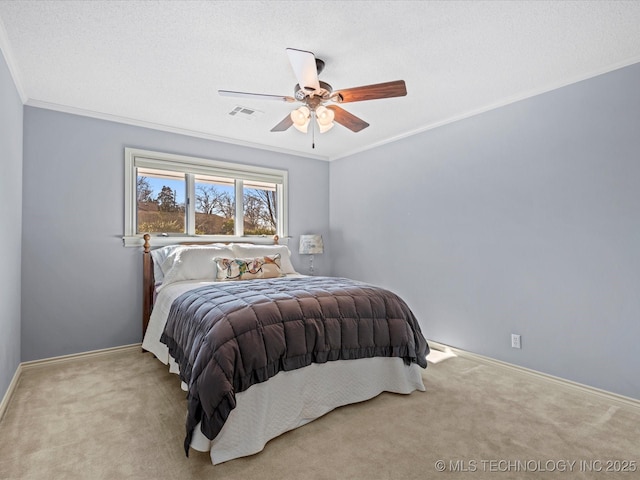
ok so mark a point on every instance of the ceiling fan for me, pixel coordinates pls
(315, 95)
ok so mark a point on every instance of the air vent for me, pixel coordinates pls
(245, 112)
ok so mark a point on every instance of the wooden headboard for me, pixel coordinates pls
(148, 279)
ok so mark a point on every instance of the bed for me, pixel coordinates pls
(261, 350)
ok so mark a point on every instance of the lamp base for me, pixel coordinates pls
(311, 265)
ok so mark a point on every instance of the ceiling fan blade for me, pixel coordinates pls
(347, 119)
(256, 96)
(304, 68)
(283, 125)
(396, 88)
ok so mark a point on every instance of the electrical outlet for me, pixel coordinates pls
(515, 341)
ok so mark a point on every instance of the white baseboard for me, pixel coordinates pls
(73, 356)
(603, 394)
(48, 361)
(12, 386)
(606, 395)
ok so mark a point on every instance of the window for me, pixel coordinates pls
(172, 196)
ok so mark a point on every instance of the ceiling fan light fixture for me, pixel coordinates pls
(324, 117)
(300, 118)
(302, 128)
(325, 128)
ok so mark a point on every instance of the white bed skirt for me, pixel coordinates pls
(292, 399)
(289, 399)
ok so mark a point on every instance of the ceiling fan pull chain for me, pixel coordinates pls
(313, 131)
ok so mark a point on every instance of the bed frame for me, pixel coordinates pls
(148, 280)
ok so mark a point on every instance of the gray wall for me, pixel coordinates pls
(11, 221)
(525, 219)
(81, 288)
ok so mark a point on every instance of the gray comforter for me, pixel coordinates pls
(231, 335)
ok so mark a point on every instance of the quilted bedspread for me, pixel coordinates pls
(231, 335)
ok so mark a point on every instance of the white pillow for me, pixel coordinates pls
(159, 255)
(195, 263)
(247, 250)
(167, 261)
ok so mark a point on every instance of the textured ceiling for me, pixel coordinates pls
(160, 63)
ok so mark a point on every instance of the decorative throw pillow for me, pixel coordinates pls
(248, 268)
(246, 250)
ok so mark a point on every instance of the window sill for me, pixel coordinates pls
(161, 241)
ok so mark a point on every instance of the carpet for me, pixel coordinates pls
(121, 416)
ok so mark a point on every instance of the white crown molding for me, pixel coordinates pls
(493, 106)
(5, 48)
(208, 136)
(161, 127)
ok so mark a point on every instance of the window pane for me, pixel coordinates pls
(187, 197)
(215, 205)
(160, 201)
(260, 208)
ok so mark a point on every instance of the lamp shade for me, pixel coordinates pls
(311, 244)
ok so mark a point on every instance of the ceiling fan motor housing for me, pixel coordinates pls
(324, 91)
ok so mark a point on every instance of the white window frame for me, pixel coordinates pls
(134, 158)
